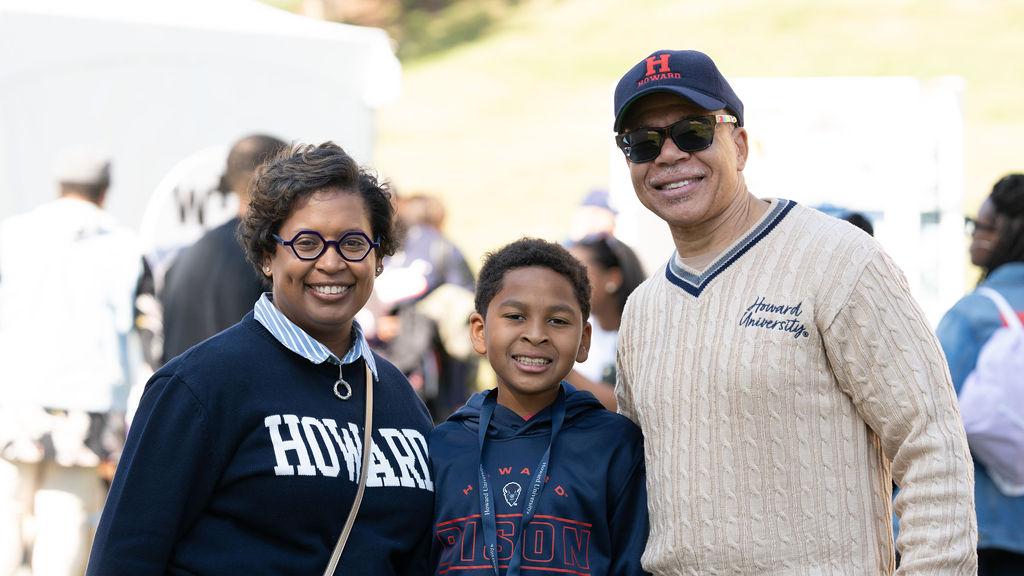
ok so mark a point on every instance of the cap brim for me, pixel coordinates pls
(703, 100)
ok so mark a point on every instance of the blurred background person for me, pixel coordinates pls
(997, 247)
(858, 219)
(210, 286)
(423, 301)
(593, 216)
(68, 272)
(614, 272)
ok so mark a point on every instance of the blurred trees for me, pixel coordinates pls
(419, 27)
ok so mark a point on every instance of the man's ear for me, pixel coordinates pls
(584, 349)
(265, 267)
(476, 333)
(739, 137)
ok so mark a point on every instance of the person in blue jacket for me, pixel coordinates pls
(244, 456)
(535, 477)
(997, 247)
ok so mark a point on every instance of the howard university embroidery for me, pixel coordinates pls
(769, 316)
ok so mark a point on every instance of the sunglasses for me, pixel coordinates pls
(691, 134)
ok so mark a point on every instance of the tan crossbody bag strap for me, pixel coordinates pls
(351, 520)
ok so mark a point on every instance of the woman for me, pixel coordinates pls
(997, 247)
(614, 272)
(245, 455)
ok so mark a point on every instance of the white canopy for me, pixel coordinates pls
(152, 81)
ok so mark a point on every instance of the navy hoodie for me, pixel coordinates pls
(591, 519)
(241, 460)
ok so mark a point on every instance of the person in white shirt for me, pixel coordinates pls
(68, 272)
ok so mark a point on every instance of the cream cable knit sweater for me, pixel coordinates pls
(780, 392)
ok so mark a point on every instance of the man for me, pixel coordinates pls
(781, 372)
(211, 286)
(67, 279)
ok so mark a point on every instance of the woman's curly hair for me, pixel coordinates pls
(297, 172)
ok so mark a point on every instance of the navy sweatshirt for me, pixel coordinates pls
(591, 518)
(241, 460)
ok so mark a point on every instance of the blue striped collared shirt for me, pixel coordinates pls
(295, 339)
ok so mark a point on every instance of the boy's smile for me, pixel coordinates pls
(533, 334)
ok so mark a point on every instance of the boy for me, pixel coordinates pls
(557, 483)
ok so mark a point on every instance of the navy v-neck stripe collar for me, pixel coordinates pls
(694, 284)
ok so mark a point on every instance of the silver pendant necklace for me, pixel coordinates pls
(342, 389)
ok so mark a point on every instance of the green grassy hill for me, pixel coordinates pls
(512, 129)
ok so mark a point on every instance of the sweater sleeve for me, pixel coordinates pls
(623, 366)
(628, 521)
(163, 480)
(887, 360)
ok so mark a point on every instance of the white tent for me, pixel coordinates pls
(152, 81)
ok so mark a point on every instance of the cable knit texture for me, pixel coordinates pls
(780, 402)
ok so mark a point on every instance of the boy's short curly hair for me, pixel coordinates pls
(528, 252)
(295, 173)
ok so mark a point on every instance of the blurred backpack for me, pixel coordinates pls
(992, 401)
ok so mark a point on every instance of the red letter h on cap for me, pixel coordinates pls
(661, 62)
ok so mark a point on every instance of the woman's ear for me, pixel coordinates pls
(266, 267)
(476, 333)
(613, 280)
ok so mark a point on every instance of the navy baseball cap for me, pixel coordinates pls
(686, 73)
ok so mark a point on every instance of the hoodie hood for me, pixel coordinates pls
(507, 424)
